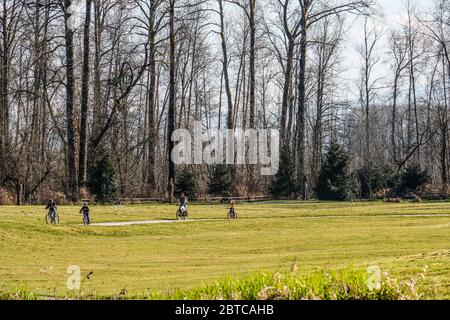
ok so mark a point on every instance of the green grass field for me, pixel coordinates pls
(403, 239)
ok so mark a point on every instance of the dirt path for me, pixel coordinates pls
(130, 223)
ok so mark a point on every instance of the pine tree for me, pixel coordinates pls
(413, 179)
(283, 184)
(334, 181)
(185, 182)
(102, 177)
(220, 181)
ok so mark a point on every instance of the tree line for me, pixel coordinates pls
(92, 90)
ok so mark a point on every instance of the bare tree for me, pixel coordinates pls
(400, 63)
(369, 85)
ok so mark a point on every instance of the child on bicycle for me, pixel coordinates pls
(232, 207)
(51, 207)
(85, 211)
(183, 202)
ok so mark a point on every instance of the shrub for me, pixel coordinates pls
(102, 177)
(283, 184)
(185, 182)
(219, 181)
(413, 179)
(373, 178)
(6, 197)
(334, 181)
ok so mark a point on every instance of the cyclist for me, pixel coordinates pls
(85, 211)
(232, 207)
(52, 209)
(183, 203)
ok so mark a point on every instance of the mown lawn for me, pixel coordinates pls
(406, 240)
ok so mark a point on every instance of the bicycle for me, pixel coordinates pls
(232, 214)
(182, 213)
(52, 217)
(86, 220)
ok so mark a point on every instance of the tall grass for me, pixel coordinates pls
(339, 285)
(342, 285)
(17, 294)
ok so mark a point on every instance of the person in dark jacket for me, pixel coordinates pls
(85, 211)
(51, 207)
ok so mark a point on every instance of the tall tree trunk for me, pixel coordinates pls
(70, 90)
(98, 114)
(230, 116)
(4, 91)
(317, 134)
(251, 181)
(444, 137)
(416, 116)
(252, 4)
(171, 106)
(444, 156)
(84, 99)
(34, 138)
(226, 78)
(394, 119)
(367, 135)
(42, 97)
(287, 89)
(151, 183)
(301, 109)
(412, 78)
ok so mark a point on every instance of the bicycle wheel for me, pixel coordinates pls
(48, 219)
(178, 215)
(56, 219)
(232, 215)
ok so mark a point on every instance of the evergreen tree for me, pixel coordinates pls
(102, 177)
(373, 178)
(185, 182)
(219, 181)
(334, 181)
(283, 184)
(412, 179)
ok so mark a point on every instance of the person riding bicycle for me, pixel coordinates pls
(183, 202)
(232, 207)
(85, 211)
(52, 209)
